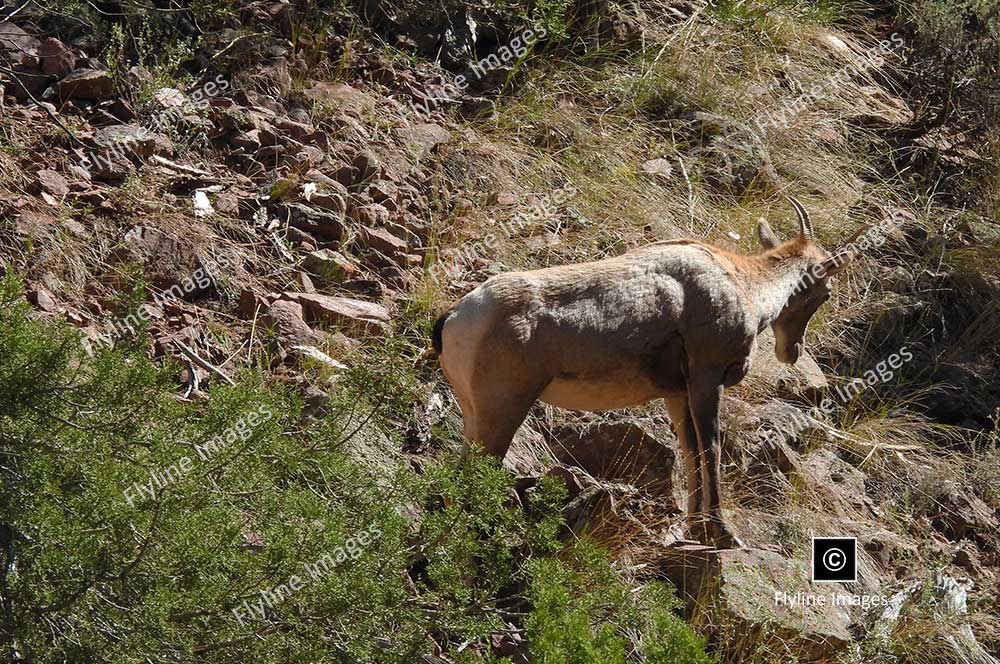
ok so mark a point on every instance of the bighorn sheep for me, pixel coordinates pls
(676, 319)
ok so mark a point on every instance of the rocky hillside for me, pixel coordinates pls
(229, 225)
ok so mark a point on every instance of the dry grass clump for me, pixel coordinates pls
(593, 121)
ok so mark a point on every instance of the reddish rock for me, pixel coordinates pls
(576, 480)
(91, 84)
(79, 172)
(301, 239)
(170, 98)
(14, 38)
(371, 214)
(345, 174)
(97, 198)
(169, 261)
(251, 303)
(308, 157)
(42, 299)
(248, 141)
(162, 145)
(421, 139)
(383, 241)
(383, 191)
(312, 220)
(367, 164)
(108, 166)
(126, 139)
(329, 201)
(343, 312)
(19, 51)
(393, 274)
(53, 183)
(340, 97)
(324, 180)
(55, 58)
(35, 224)
(297, 130)
(329, 265)
(962, 514)
(305, 282)
(285, 317)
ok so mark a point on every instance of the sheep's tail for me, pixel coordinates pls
(437, 345)
(436, 341)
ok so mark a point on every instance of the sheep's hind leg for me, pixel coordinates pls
(499, 415)
(687, 439)
(705, 395)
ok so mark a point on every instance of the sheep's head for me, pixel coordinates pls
(816, 268)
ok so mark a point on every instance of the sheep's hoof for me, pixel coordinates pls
(723, 538)
(697, 529)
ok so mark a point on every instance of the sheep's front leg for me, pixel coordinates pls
(687, 439)
(705, 396)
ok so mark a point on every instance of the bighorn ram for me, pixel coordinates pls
(677, 319)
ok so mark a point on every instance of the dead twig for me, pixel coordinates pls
(204, 364)
(14, 75)
(690, 191)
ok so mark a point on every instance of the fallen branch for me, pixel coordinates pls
(204, 364)
(15, 75)
(180, 168)
(192, 385)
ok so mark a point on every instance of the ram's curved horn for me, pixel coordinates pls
(805, 225)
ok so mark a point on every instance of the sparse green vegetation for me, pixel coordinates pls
(215, 524)
(745, 101)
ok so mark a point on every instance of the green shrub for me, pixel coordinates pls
(344, 562)
(581, 614)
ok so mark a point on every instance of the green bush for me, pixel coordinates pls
(343, 564)
(581, 614)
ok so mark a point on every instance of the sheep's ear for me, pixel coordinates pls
(767, 237)
(837, 262)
